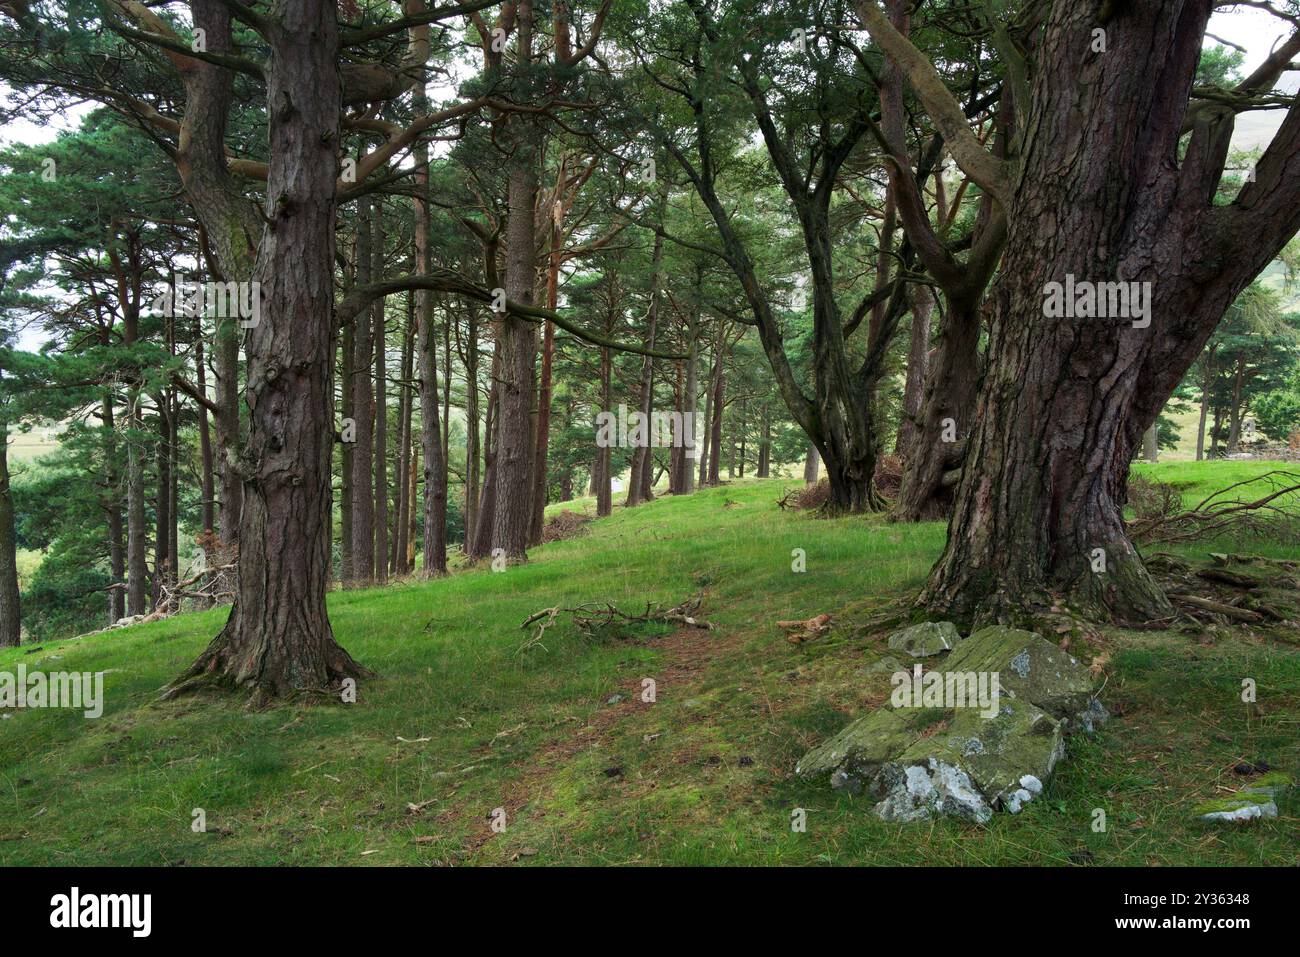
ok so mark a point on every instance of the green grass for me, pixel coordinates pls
(704, 772)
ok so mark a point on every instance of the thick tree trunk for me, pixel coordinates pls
(10, 610)
(1102, 197)
(278, 639)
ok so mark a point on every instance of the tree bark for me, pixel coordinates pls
(1101, 195)
(278, 639)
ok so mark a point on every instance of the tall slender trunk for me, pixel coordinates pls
(10, 610)
(604, 492)
(471, 427)
(345, 363)
(637, 486)
(719, 386)
(363, 413)
(402, 522)
(542, 440)
(1234, 413)
(162, 501)
(381, 403)
(113, 508)
(1207, 379)
(810, 466)
(1151, 443)
(208, 489)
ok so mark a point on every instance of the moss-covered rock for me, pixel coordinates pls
(926, 639)
(1032, 669)
(852, 758)
(1256, 800)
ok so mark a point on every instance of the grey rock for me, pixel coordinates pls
(926, 639)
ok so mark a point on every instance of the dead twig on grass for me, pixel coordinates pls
(593, 619)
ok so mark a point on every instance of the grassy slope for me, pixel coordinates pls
(703, 773)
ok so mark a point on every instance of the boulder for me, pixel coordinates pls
(966, 759)
(926, 639)
(1032, 669)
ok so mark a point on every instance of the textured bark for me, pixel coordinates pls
(947, 407)
(1102, 195)
(918, 351)
(1151, 443)
(481, 544)
(10, 610)
(402, 522)
(518, 344)
(163, 570)
(137, 535)
(278, 639)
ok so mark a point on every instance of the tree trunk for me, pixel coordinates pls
(638, 486)
(1065, 399)
(470, 359)
(381, 403)
(810, 466)
(10, 610)
(918, 351)
(113, 506)
(947, 407)
(278, 639)
(435, 468)
(1206, 380)
(604, 492)
(348, 347)
(1151, 443)
(208, 490)
(363, 413)
(402, 522)
(137, 537)
(1234, 413)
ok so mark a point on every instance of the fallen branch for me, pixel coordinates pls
(593, 618)
(1221, 511)
(1219, 608)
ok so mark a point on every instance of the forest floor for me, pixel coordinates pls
(461, 721)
